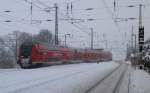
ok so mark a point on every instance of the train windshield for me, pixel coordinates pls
(26, 50)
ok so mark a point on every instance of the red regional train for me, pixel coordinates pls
(35, 54)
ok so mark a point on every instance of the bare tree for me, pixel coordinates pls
(9, 45)
(45, 36)
(6, 58)
(13, 41)
(23, 36)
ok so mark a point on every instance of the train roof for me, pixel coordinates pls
(62, 48)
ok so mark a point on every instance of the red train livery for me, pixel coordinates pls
(35, 54)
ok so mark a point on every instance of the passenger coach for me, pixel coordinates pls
(36, 54)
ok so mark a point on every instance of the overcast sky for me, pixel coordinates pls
(104, 26)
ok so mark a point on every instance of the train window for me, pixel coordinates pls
(26, 50)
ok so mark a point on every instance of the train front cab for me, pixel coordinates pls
(25, 53)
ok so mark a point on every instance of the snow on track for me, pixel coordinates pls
(74, 78)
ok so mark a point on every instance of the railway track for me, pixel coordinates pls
(105, 84)
(117, 87)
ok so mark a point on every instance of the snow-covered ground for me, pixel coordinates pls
(73, 78)
(140, 82)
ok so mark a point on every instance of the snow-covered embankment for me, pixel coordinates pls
(75, 78)
(140, 82)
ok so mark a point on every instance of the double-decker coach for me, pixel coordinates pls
(36, 54)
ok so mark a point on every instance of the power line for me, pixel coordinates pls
(9, 17)
(111, 13)
(15, 19)
(98, 8)
(40, 2)
(33, 4)
(81, 29)
(44, 10)
(67, 21)
(76, 25)
(22, 19)
(6, 25)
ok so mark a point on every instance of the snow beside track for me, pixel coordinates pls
(140, 82)
(74, 78)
